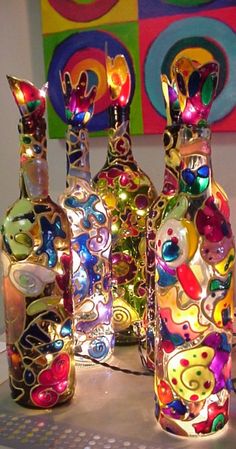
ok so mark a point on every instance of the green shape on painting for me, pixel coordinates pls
(84, 2)
(188, 3)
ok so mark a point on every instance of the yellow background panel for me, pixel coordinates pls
(52, 21)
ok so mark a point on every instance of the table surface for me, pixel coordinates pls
(110, 410)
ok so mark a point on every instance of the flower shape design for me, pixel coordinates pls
(79, 103)
(119, 80)
(196, 86)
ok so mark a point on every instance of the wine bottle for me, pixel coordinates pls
(155, 215)
(194, 285)
(36, 257)
(91, 231)
(128, 193)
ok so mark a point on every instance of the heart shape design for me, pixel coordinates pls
(57, 373)
(53, 382)
(44, 397)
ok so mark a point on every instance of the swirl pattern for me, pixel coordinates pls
(99, 348)
(189, 373)
(123, 314)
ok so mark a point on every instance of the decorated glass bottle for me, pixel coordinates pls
(91, 231)
(155, 215)
(36, 258)
(194, 283)
(129, 193)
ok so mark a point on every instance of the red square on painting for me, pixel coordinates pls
(200, 36)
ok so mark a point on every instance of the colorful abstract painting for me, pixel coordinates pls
(151, 34)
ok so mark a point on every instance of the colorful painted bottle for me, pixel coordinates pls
(91, 232)
(37, 262)
(155, 215)
(129, 193)
(194, 278)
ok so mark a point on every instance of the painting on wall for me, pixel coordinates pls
(151, 34)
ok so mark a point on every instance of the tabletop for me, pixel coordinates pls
(110, 410)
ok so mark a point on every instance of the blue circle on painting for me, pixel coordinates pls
(65, 50)
(197, 27)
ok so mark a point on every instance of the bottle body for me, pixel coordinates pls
(37, 264)
(154, 219)
(128, 193)
(194, 294)
(91, 248)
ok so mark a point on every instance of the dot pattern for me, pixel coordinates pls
(21, 432)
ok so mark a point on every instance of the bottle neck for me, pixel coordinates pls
(120, 146)
(196, 169)
(77, 155)
(172, 160)
(33, 158)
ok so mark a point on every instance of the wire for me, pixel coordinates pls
(117, 368)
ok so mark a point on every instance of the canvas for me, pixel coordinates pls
(151, 34)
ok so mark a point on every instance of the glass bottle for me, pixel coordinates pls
(36, 260)
(91, 233)
(155, 215)
(129, 193)
(194, 280)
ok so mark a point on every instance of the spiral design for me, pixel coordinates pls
(121, 318)
(44, 397)
(100, 241)
(123, 315)
(99, 348)
(61, 366)
(189, 373)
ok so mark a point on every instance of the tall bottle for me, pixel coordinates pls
(129, 193)
(194, 285)
(155, 215)
(91, 232)
(36, 259)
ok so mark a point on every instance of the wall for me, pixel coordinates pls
(21, 55)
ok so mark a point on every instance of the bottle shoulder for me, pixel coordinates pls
(36, 231)
(118, 168)
(25, 212)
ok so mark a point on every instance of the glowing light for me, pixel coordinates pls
(29, 152)
(194, 250)
(36, 279)
(90, 226)
(118, 79)
(123, 196)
